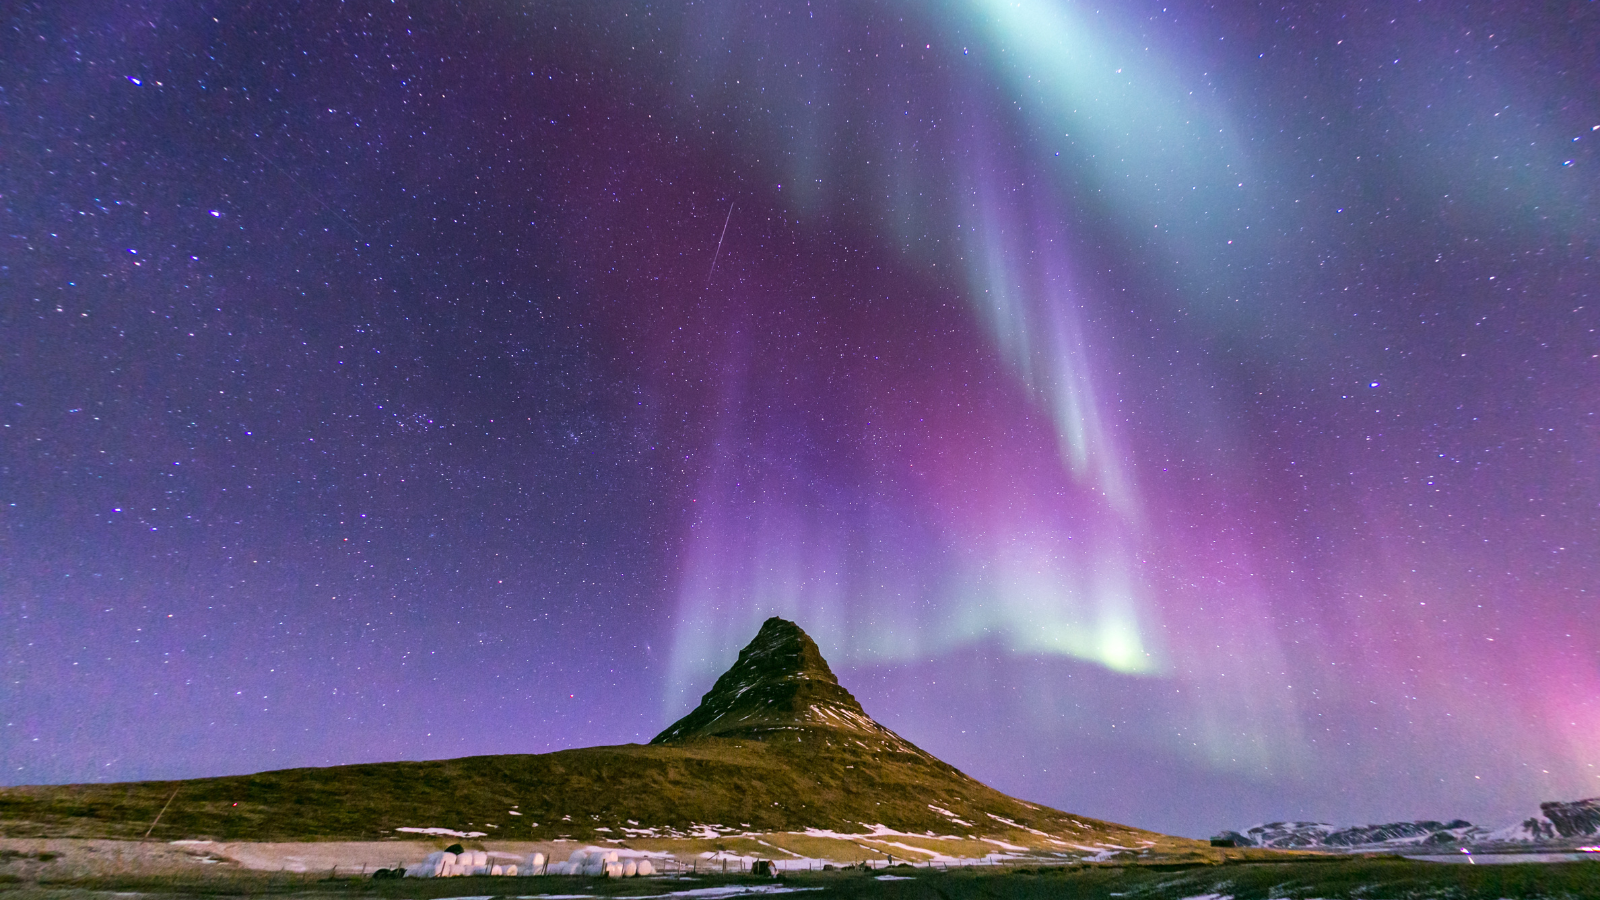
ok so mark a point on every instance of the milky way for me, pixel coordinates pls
(1179, 414)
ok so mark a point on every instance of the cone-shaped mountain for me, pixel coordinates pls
(780, 683)
(777, 746)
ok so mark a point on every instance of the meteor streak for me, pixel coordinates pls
(719, 245)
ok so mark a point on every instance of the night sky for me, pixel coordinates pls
(1178, 413)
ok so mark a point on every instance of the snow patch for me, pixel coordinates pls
(1017, 825)
(444, 831)
(732, 891)
(949, 815)
(1102, 856)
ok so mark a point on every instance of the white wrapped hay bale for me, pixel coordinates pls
(579, 857)
(646, 868)
(497, 870)
(430, 867)
(629, 868)
(594, 854)
(480, 857)
(613, 870)
(510, 870)
(535, 863)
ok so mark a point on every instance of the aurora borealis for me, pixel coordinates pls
(1180, 414)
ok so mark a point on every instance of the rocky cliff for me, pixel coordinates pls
(1579, 818)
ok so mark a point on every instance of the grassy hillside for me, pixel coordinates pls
(777, 745)
(585, 794)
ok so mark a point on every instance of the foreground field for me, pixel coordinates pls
(1333, 879)
(66, 859)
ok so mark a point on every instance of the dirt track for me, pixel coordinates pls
(33, 858)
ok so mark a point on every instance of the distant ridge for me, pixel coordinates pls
(777, 747)
(1562, 824)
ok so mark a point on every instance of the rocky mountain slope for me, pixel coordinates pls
(1560, 824)
(777, 745)
(1577, 819)
(780, 688)
(1323, 836)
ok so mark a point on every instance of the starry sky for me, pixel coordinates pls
(1177, 413)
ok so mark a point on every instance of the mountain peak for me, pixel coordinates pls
(780, 683)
